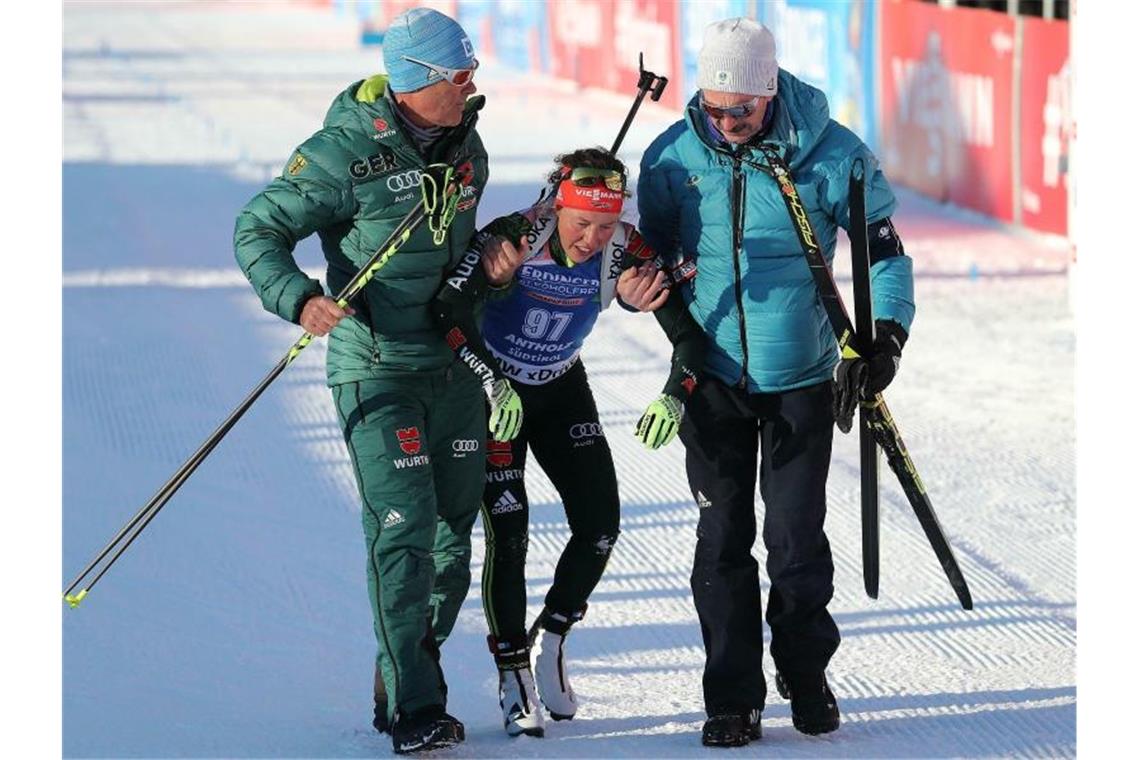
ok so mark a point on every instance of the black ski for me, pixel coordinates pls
(880, 420)
(864, 339)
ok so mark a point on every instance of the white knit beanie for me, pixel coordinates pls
(738, 56)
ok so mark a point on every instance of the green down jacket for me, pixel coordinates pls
(352, 182)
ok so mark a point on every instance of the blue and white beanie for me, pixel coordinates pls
(430, 36)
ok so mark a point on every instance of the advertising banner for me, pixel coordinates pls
(946, 111)
(509, 31)
(650, 27)
(830, 45)
(521, 35)
(1046, 125)
(383, 11)
(477, 17)
(580, 33)
(596, 42)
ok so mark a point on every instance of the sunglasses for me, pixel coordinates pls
(457, 77)
(740, 111)
(586, 176)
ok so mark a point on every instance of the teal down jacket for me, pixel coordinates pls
(686, 204)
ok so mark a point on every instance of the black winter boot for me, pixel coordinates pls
(814, 710)
(425, 729)
(731, 729)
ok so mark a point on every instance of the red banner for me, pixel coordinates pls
(947, 103)
(1046, 125)
(596, 43)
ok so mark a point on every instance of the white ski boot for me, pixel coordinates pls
(521, 711)
(550, 664)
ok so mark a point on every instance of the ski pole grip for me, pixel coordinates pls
(649, 82)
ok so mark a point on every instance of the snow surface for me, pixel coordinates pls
(238, 625)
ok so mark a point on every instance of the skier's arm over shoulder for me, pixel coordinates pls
(662, 418)
(454, 310)
(671, 313)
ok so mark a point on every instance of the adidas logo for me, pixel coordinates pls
(506, 503)
(702, 500)
(394, 518)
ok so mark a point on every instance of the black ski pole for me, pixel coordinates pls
(412, 220)
(865, 339)
(399, 236)
(647, 82)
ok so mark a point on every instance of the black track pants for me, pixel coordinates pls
(560, 425)
(723, 430)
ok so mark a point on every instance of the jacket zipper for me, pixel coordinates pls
(738, 184)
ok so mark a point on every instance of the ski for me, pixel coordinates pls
(864, 339)
(882, 424)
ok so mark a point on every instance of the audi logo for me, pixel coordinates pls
(464, 445)
(405, 180)
(585, 430)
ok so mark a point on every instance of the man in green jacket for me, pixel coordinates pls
(414, 420)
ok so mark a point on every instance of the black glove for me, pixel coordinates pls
(846, 388)
(883, 363)
(862, 378)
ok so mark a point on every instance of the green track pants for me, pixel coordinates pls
(417, 444)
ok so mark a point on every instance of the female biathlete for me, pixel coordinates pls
(542, 276)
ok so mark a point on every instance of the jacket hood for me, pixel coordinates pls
(801, 116)
(359, 104)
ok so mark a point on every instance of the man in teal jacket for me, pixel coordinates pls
(708, 199)
(413, 419)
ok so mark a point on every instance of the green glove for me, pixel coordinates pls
(506, 411)
(661, 421)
